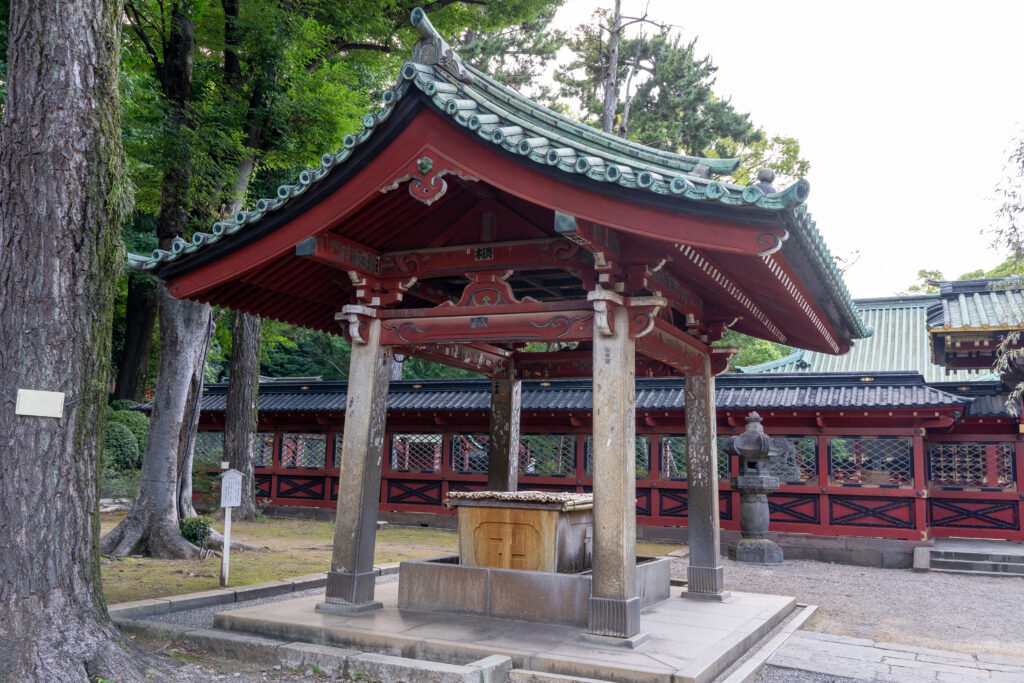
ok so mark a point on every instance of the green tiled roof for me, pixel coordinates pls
(900, 343)
(977, 304)
(504, 118)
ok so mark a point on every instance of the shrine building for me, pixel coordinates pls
(586, 277)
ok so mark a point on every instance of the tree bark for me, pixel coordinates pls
(153, 524)
(611, 77)
(140, 316)
(61, 203)
(240, 421)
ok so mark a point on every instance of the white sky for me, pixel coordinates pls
(905, 110)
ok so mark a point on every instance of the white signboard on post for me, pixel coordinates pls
(231, 489)
(230, 497)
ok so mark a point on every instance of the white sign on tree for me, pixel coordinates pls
(230, 497)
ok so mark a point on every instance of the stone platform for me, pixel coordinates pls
(689, 640)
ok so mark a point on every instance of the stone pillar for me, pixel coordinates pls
(503, 443)
(350, 583)
(614, 605)
(704, 575)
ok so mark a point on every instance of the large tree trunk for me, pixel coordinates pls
(140, 316)
(153, 524)
(61, 204)
(240, 421)
(611, 75)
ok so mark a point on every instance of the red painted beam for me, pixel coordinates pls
(488, 326)
(458, 260)
(482, 358)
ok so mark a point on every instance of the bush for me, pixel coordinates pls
(196, 530)
(122, 404)
(120, 448)
(137, 422)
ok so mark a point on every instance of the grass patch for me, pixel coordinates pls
(292, 547)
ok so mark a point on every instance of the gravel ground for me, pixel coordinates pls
(965, 613)
(771, 674)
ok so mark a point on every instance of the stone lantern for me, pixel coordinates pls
(755, 450)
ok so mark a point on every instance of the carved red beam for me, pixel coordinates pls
(672, 347)
(469, 258)
(577, 364)
(341, 253)
(487, 325)
(483, 358)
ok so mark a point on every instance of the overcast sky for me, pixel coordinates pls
(904, 109)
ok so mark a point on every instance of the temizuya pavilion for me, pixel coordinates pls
(466, 221)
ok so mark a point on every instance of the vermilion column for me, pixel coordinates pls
(350, 583)
(614, 606)
(704, 575)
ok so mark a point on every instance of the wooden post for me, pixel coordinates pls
(230, 497)
(351, 581)
(503, 442)
(614, 605)
(704, 575)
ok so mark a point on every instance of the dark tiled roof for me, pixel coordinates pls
(977, 304)
(900, 343)
(736, 392)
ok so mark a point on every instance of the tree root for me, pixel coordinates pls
(216, 541)
(161, 539)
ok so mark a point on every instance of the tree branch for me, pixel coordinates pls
(136, 21)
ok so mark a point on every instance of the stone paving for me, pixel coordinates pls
(867, 660)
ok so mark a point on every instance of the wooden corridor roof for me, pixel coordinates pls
(487, 168)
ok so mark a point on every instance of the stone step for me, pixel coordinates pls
(976, 556)
(981, 564)
(977, 573)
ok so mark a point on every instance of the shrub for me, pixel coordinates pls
(120, 448)
(137, 422)
(196, 530)
(122, 404)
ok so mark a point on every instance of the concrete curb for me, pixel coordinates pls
(331, 660)
(752, 667)
(138, 609)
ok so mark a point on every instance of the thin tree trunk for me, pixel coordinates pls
(611, 77)
(61, 204)
(153, 524)
(140, 316)
(240, 421)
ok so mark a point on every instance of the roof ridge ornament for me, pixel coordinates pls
(432, 49)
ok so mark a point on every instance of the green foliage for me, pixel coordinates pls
(516, 55)
(136, 422)
(196, 530)
(752, 351)
(121, 448)
(121, 404)
(923, 283)
(779, 153)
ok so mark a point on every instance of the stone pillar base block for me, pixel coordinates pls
(619, 618)
(347, 609)
(705, 579)
(724, 596)
(632, 642)
(351, 588)
(757, 550)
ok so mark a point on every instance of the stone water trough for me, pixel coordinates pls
(522, 555)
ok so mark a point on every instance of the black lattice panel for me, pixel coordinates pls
(896, 513)
(263, 483)
(300, 488)
(469, 453)
(723, 459)
(414, 492)
(303, 451)
(209, 450)
(879, 462)
(550, 488)
(643, 502)
(642, 449)
(416, 452)
(263, 454)
(971, 465)
(725, 505)
(461, 486)
(799, 466)
(974, 514)
(794, 508)
(547, 455)
(339, 440)
(672, 503)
